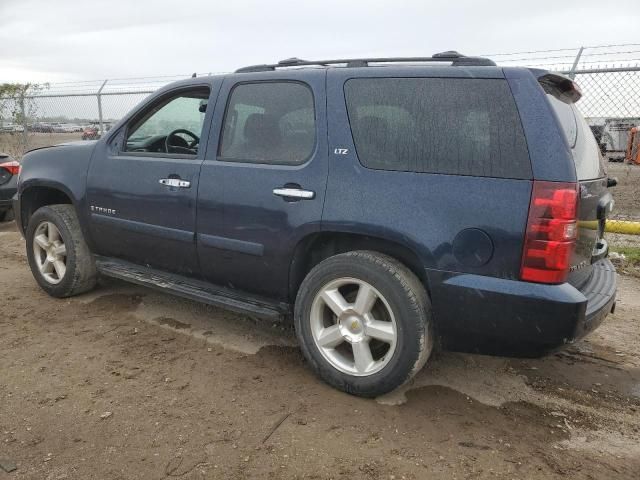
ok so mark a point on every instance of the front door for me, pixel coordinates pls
(262, 190)
(142, 185)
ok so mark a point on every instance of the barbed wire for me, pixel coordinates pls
(575, 49)
(540, 58)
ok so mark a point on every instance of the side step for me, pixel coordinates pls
(192, 289)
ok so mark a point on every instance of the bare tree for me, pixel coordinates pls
(17, 111)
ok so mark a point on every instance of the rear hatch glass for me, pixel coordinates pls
(594, 196)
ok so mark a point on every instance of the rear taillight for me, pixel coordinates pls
(551, 232)
(12, 167)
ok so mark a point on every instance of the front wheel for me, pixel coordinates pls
(59, 258)
(363, 322)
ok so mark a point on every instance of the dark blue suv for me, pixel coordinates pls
(380, 203)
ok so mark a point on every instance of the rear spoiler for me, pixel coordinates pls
(561, 87)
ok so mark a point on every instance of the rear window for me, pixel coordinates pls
(584, 147)
(437, 125)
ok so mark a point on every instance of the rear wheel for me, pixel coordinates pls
(59, 258)
(363, 322)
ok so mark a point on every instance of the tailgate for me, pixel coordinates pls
(595, 200)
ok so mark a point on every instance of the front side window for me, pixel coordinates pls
(437, 125)
(269, 122)
(172, 126)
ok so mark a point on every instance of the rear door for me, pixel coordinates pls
(595, 200)
(262, 189)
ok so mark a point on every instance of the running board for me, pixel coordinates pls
(192, 289)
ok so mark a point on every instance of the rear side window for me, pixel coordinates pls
(585, 150)
(269, 122)
(437, 125)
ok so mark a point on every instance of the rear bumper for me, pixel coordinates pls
(600, 292)
(7, 191)
(519, 316)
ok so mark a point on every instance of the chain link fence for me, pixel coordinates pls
(42, 115)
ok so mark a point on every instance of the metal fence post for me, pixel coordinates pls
(572, 72)
(23, 119)
(100, 107)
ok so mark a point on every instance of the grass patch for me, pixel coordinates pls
(632, 254)
(630, 264)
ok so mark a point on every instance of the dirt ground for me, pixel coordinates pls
(127, 383)
(627, 192)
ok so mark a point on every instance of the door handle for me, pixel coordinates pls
(296, 193)
(175, 182)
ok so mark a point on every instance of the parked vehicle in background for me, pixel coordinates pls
(62, 128)
(9, 170)
(90, 133)
(11, 128)
(40, 127)
(384, 206)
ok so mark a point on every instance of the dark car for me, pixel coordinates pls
(40, 128)
(8, 185)
(382, 204)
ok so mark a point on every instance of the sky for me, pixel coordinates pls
(69, 40)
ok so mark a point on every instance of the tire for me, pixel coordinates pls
(79, 274)
(397, 330)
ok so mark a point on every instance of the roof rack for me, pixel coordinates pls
(456, 59)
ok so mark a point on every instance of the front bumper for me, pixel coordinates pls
(513, 316)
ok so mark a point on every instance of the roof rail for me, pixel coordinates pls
(456, 59)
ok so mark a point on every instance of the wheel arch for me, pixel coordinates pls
(316, 247)
(35, 196)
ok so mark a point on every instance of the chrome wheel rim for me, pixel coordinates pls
(353, 326)
(50, 252)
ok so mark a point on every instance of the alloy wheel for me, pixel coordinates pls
(353, 326)
(50, 252)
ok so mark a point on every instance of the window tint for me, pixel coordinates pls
(567, 119)
(454, 126)
(585, 149)
(269, 122)
(171, 126)
(586, 152)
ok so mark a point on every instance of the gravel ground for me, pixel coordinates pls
(627, 192)
(125, 383)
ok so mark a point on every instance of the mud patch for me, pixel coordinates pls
(173, 323)
(115, 301)
(488, 380)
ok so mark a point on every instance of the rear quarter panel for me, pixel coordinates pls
(423, 211)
